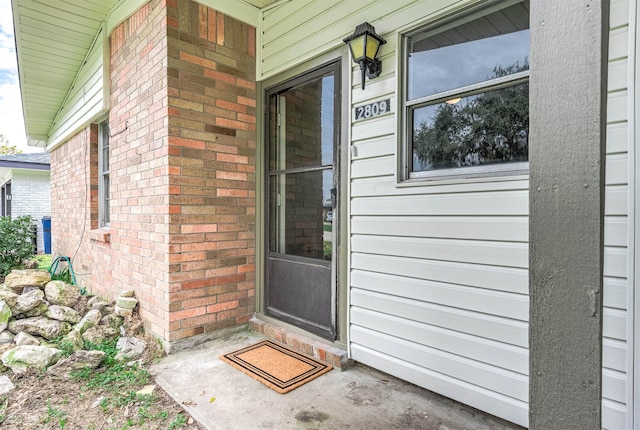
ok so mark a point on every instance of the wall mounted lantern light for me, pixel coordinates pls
(364, 44)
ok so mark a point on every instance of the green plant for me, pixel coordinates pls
(179, 421)
(3, 408)
(16, 242)
(117, 379)
(43, 260)
(66, 347)
(53, 412)
(64, 275)
(162, 415)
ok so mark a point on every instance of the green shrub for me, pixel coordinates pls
(16, 242)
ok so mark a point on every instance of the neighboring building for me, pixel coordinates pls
(194, 146)
(25, 188)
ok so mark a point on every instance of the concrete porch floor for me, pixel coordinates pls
(358, 398)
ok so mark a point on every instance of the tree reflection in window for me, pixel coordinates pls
(486, 128)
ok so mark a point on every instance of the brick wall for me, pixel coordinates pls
(182, 159)
(31, 196)
(212, 138)
(139, 162)
(133, 252)
(74, 206)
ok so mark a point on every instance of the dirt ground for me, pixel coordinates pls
(41, 401)
(44, 403)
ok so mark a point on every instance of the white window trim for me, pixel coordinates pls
(104, 218)
(489, 171)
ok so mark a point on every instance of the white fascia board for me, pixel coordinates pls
(236, 9)
(121, 12)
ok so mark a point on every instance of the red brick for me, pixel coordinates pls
(198, 228)
(200, 283)
(235, 107)
(230, 158)
(187, 143)
(222, 306)
(219, 76)
(220, 29)
(183, 204)
(187, 313)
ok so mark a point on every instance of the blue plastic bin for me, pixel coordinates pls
(46, 229)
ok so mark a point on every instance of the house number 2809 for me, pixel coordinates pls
(373, 109)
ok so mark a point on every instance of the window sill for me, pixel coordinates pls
(101, 235)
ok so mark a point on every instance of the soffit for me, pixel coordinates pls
(53, 39)
(260, 4)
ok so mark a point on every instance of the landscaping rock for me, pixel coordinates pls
(74, 339)
(34, 311)
(112, 320)
(8, 296)
(63, 313)
(100, 306)
(59, 293)
(147, 390)
(123, 312)
(18, 279)
(92, 318)
(22, 358)
(4, 347)
(126, 302)
(6, 337)
(130, 348)
(29, 288)
(5, 315)
(24, 338)
(100, 333)
(5, 385)
(81, 305)
(41, 309)
(78, 360)
(28, 301)
(40, 326)
(93, 299)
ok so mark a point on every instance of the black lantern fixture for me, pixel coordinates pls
(364, 44)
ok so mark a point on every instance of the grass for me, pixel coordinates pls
(3, 408)
(327, 249)
(115, 381)
(56, 413)
(179, 421)
(115, 376)
(119, 382)
(44, 261)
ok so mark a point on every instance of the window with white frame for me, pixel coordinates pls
(466, 95)
(103, 175)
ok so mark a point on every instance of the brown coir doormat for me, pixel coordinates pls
(275, 366)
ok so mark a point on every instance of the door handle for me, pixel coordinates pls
(334, 192)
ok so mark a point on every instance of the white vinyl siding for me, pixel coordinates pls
(319, 26)
(439, 271)
(86, 100)
(439, 285)
(616, 372)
